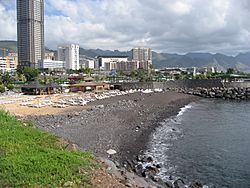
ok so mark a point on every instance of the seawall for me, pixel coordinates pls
(204, 83)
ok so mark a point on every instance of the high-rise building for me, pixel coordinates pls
(30, 32)
(70, 54)
(142, 54)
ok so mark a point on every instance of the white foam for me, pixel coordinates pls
(184, 109)
(162, 140)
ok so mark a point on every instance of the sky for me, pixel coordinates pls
(172, 26)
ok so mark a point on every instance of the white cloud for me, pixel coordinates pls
(165, 25)
(7, 22)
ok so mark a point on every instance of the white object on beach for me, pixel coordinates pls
(147, 91)
(158, 90)
(111, 152)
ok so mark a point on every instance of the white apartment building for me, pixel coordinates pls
(107, 63)
(8, 64)
(87, 62)
(51, 64)
(142, 54)
(70, 54)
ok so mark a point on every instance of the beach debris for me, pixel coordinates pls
(111, 152)
(100, 106)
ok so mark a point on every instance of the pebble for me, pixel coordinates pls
(111, 152)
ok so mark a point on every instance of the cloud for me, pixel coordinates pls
(7, 21)
(169, 26)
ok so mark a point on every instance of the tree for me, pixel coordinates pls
(230, 71)
(2, 88)
(141, 76)
(30, 73)
(133, 75)
(7, 79)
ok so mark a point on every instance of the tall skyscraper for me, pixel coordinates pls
(30, 32)
(70, 54)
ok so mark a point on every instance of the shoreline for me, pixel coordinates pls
(123, 124)
(120, 123)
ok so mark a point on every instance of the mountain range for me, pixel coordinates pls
(222, 62)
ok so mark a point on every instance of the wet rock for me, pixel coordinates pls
(162, 184)
(158, 166)
(150, 159)
(139, 158)
(168, 184)
(152, 169)
(179, 183)
(139, 170)
(196, 185)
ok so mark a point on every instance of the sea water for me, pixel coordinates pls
(207, 141)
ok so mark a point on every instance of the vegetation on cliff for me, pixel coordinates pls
(30, 157)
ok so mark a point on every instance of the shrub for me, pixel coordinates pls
(2, 88)
(10, 86)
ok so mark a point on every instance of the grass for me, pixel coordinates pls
(32, 158)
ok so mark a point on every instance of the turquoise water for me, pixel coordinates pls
(208, 141)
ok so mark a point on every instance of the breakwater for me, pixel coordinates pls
(207, 88)
(224, 93)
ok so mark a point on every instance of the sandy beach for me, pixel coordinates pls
(121, 123)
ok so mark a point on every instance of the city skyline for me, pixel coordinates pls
(180, 27)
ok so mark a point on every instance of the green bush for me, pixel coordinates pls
(2, 88)
(10, 86)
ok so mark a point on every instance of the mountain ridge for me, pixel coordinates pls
(161, 60)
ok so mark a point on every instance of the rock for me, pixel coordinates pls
(77, 114)
(153, 169)
(139, 169)
(196, 185)
(161, 184)
(72, 147)
(139, 158)
(128, 185)
(150, 159)
(179, 183)
(130, 164)
(158, 166)
(117, 164)
(169, 184)
(111, 152)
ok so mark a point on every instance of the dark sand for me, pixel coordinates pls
(121, 123)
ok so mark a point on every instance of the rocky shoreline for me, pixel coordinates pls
(217, 92)
(118, 129)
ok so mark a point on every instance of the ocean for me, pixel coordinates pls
(208, 141)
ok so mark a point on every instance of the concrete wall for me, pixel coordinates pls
(206, 83)
(237, 84)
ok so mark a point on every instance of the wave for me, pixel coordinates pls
(163, 139)
(184, 109)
